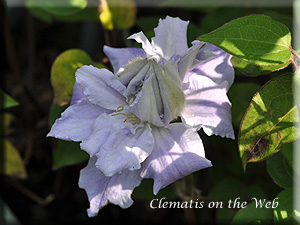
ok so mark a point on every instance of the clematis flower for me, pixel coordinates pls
(123, 149)
(123, 120)
(203, 72)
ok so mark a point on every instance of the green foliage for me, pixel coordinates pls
(253, 214)
(285, 212)
(269, 122)
(117, 14)
(255, 39)
(240, 95)
(68, 153)
(63, 74)
(145, 191)
(58, 7)
(13, 164)
(6, 101)
(280, 170)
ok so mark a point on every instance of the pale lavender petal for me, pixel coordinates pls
(118, 145)
(178, 151)
(76, 122)
(102, 190)
(142, 39)
(218, 69)
(170, 37)
(207, 106)
(101, 87)
(120, 57)
(78, 95)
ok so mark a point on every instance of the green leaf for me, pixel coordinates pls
(225, 190)
(6, 101)
(117, 14)
(285, 212)
(270, 121)
(253, 214)
(68, 153)
(13, 164)
(254, 70)
(255, 39)
(63, 74)
(280, 170)
(240, 95)
(59, 7)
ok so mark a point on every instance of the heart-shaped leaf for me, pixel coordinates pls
(270, 121)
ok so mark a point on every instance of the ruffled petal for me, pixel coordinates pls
(160, 99)
(118, 145)
(178, 151)
(78, 95)
(207, 106)
(218, 68)
(101, 87)
(120, 57)
(170, 37)
(101, 189)
(76, 122)
(142, 39)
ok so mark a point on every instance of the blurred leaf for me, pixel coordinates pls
(63, 74)
(5, 119)
(145, 191)
(254, 70)
(213, 20)
(240, 95)
(224, 216)
(55, 112)
(252, 214)
(285, 212)
(288, 152)
(117, 14)
(280, 170)
(225, 190)
(270, 121)
(256, 39)
(68, 153)
(59, 7)
(13, 164)
(86, 14)
(6, 101)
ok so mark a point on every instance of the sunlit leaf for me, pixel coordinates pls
(253, 69)
(280, 170)
(6, 101)
(285, 212)
(63, 74)
(270, 121)
(13, 164)
(68, 153)
(256, 39)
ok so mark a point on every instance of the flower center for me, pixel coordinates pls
(129, 117)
